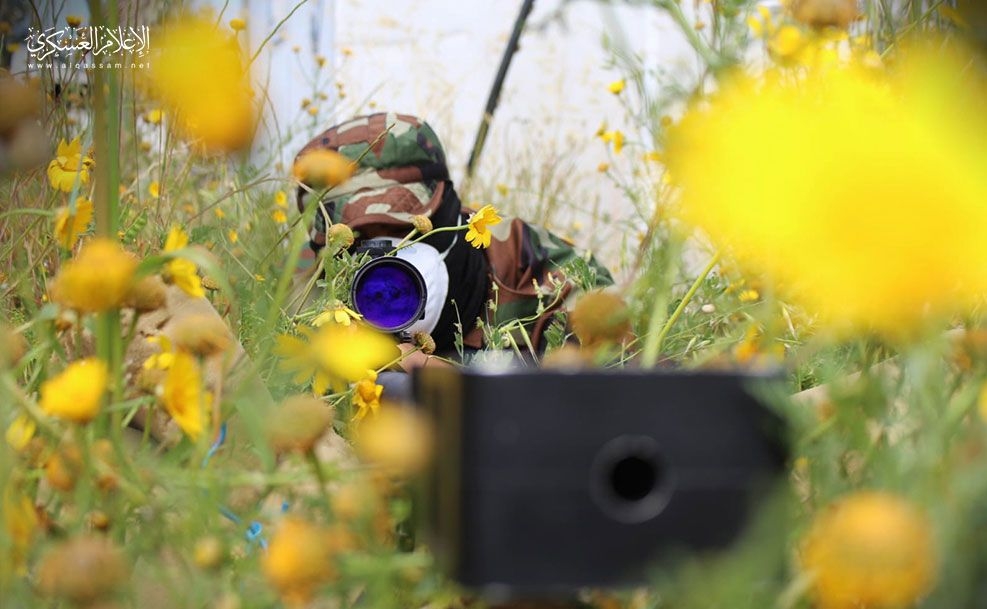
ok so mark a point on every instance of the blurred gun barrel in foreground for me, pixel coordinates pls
(545, 481)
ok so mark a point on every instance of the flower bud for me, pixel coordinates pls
(203, 335)
(825, 13)
(339, 236)
(600, 317)
(82, 570)
(209, 552)
(13, 346)
(425, 342)
(147, 295)
(299, 423)
(422, 224)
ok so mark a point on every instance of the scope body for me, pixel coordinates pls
(545, 481)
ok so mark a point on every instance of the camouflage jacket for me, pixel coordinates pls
(528, 281)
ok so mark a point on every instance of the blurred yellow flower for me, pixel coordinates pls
(20, 432)
(164, 358)
(397, 439)
(335, 354)
(181, 271)
(199, 75)
(281, 199)
(479, 225)
(76, 393)
(322, 168)
(617, 86)
(68, 166)
(237, 24)
(869, 550)
(21, 523)
(233, 236)
(786, 43)
(300, 358)
(299, 560)
(366, 396)
(279, 216)
(502, 189)
(182, 394)
(98, 279)
(154, 189)
(154, 116)
(69, 226)
(615, 137)
(860, 197)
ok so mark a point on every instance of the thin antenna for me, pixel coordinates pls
(494, 97)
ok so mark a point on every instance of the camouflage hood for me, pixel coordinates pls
(401, 170)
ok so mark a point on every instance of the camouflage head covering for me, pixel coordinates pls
(401, 170)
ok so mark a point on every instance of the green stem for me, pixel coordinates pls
(275, 30)
(320, 476)
(705, 52)
(445, 229)
(652, 346)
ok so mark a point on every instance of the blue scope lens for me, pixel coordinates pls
(389, 293)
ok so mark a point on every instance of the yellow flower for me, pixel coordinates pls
(869, 550)
(366, 396)
(748, 296)
(786, 43)
(182, 394)
(68, 166)
(154, 189)
(233, 236)
(69, 226)
(479, 226)
(615, 137)
(338, 313)
(154, 116)
(335, 354)
(281, 199)
(279, 216)
(181, 271)
(617, 86)
(165, 356)
(200, 76)
(502, 189)
(20, 519)
(299, 357)
(603, 167)
(20, 432)
(75, 394)
(98, 279)
(237, 24)
(861, 195)
(322, 168)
